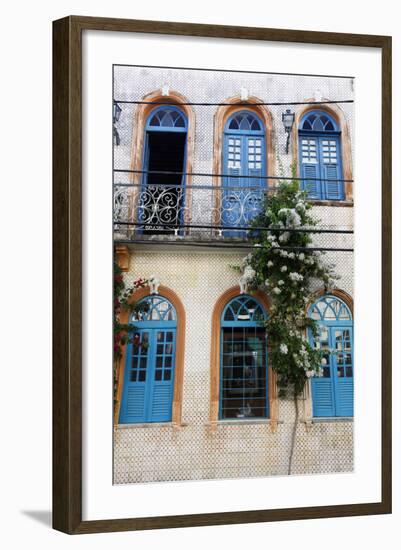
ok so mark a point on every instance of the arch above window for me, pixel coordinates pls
(244, 121)
(243, 308)
(318, 121)
(154, 308)
(330, 309)
(171, 118)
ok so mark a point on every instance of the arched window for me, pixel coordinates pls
(150, 362)
(243, 365)
(333, 392)
(320, 156)
(162, 198)
(244, 164)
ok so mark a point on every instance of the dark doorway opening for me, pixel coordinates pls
(164, 193)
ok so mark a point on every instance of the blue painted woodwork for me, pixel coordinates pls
(320, 156)
(333, 393)
(150, 362)
(243, 360)
(244, 154)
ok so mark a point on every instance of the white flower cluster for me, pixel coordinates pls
(295, 277)
(291, 217)
(249, 273)
(270, 263)
(283, 269)
(283, 349)
(283, 238)
(247, 259)
(276, 290)
(300, 207)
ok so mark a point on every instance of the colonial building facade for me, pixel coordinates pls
(195, 152)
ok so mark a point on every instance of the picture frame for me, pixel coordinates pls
(68, 296)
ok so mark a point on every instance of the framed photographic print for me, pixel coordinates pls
(222, 275)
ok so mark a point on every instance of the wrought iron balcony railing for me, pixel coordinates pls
(166, 212)
(197, 210)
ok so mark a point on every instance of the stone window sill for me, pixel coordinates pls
(330, 419)
(149, 425)
(242, 422)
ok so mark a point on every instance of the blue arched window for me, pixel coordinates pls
(243, 364)
(150, 361)
(320, 156)
(333, 392)
(162, 198)
(244, 163)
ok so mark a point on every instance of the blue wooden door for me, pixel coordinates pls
(333, 393)
(149, 376)
(244, 167)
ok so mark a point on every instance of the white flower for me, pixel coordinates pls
(276, 290)
(267, 282)
(270, 263)
(249, 273)
(271, 238)
(320, 372)
(310, 373)
(301, 256)
(283, 269)
(295, 276)
(283, 253)
(291, 255)
(300, 207)
(283, 238)
(275, 244)
(281, 282)
(283, 349)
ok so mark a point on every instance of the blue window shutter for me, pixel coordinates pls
(322, 396)
(333, 188)
(133, 402)
(345, 397)
(312, 186)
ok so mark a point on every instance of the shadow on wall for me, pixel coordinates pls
(41, 516)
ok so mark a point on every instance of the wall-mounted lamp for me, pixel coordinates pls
(116, 112)
(288, 120)
(116, 117)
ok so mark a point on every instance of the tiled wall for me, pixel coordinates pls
(196, 450)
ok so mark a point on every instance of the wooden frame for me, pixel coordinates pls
(67, 293)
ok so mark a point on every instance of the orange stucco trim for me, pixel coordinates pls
(346, 152)
(141, 114)
(215, 354)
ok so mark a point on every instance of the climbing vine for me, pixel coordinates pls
(122, 331)
(282, 265)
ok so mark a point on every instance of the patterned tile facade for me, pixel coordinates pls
(152, 453)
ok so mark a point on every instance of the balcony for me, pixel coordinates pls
(203, 215)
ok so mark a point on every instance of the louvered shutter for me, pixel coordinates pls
(345, 397)
(162, 387)
(309, 167)
(322, 397)
(330, 168)
(133, 405)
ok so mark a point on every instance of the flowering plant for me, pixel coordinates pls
(121, 331)
(284, 264)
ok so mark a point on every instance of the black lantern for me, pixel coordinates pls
(288, 120)
(116, 112)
